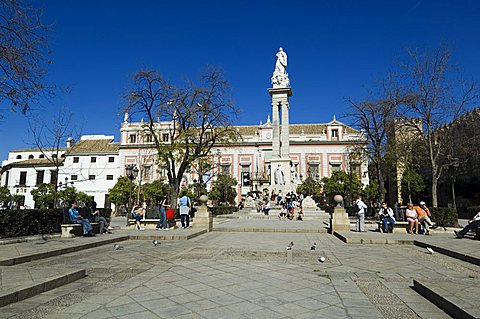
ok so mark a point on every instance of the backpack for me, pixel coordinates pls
(356, 209)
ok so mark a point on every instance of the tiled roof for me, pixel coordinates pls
(103, 146)
(38, 150)
(34, 162)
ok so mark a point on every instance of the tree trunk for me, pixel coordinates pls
(174, 190)
(434, 193)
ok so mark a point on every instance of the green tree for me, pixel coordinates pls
(120, 193)
(370, 192)
(412, 184)
(347, 185)
(44, 195)
(4, 195)
(154, 191)
(223, 190)
(311, 187)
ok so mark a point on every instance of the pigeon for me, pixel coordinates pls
(117, 247)
(321, 259)
(314, 246)
(430, 250)
(289, 247)
(156, 242)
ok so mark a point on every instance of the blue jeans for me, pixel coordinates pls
(86, 225)
(185, 220)
(386, 222)
(162, 223)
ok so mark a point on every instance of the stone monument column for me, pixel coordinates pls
(276, 131)
(280, 174)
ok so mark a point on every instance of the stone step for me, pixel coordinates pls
(21, 283)
(456, 298)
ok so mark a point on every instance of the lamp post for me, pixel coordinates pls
(132, 172)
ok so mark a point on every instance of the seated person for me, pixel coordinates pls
(412, 219)
(266, 209)
(424, 217)
(386, 216)
(283, 213)
(291, 213)
(76, 218)
(102, 221)
(472, 224)
(300, 214)
(138, 213)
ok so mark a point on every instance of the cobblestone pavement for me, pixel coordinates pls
(244, 275)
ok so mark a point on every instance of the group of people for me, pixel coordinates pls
(93, 216)
(418, 217)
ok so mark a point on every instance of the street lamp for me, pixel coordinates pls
(132, 172)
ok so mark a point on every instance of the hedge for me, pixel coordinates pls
(472, 211)
(444, 216)
(26, 222)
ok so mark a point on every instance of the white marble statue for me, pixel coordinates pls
(280, 76)
(279, 177)
(281, 65)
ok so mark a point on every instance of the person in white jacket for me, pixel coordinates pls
(361, 207)
(472, 224)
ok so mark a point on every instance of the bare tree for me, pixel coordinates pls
(23, 55)
(435, 97)
(51, 140)
(375, 118)
(200, 116)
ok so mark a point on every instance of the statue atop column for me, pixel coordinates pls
(280, 75)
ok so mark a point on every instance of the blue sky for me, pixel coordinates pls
(336, 49)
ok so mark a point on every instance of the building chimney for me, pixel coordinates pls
(70, 142)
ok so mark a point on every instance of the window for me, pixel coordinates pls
(246, 175)
(225, 169)
(40, 175)
(6, 178)
(30, 156)
(91, 177)
(93, 159)
(53, 177)
(335, 134)
(111, 159)
(355, 170)
(165, 137)
(76, 159)
(146, 172)
(19, 156)
(23, 179)
(335, 167)
(74, 177)
(148, 138)
(109, 177)
(41, 156)
(133, 138)
(54, 155)
(313, 171)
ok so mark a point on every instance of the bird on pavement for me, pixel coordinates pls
(314, 246)
(117, 247)
(321, 259)
(289, 247)
(156, 242)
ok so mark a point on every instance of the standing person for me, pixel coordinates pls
(162, 223)
(472, 224)
(360, 208)
(424, 217)
(388, 220)
(184, 206)
(76, 218)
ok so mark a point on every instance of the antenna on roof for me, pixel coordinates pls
(334, 119)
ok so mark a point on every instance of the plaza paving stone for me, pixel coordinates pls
(244, 275)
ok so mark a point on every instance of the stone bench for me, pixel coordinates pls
(72, 230)
(152, 222)
(397, 225)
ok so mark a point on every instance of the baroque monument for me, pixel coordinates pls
(281, 177)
